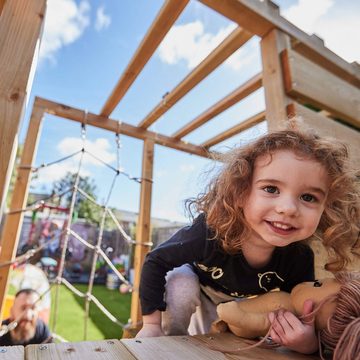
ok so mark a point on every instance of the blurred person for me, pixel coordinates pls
(29, 329)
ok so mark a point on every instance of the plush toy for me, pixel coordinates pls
(337, 312)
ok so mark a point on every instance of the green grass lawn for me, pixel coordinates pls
(70, 322)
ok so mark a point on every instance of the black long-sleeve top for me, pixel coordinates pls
(230, 274)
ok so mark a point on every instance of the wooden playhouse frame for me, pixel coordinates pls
(297, 70)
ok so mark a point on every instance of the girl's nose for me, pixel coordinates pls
(287, 206)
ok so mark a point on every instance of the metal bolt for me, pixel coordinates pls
(43, 347)
(110, 342)
(3, 350)
(138, 341)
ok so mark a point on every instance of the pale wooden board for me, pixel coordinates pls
(12, 353)
(85, 350)
(311, 83)
(170, 348)
(228, 341)
(199, 348)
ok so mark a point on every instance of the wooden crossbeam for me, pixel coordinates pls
(106, 123)
(248, 123)
(259, 17)
(159, 28)
(234, 97)
(233, 42)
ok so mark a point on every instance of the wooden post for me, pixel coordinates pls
(143, 227)
(276, 99)
(20, 28)
(13, 221)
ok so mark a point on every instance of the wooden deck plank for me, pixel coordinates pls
(11, 352)
(170, 348)
(85, 350)
(199, 348)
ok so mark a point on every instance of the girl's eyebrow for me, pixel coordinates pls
(310, 188)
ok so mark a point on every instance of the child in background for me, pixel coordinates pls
(247, 239)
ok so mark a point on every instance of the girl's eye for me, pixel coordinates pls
(308, 198)
(271, 189)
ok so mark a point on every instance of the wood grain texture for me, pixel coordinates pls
(310, 83)
(20, 27)
(12, 352)
(13, 221)
(260, 17)
(85, 350)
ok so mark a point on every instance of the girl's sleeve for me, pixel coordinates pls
(186, 246)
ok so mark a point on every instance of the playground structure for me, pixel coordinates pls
(300, 76)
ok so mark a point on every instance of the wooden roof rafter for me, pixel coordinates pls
(260, 17)
(232, 43)
(231, 99)
(238, 128)
(106, 123)
(168, 14)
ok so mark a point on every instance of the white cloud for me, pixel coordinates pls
(306, 13)
(190, 43)
(55, 172)
(102, 20)
(336, 26)
(65, 22)
(100, 148)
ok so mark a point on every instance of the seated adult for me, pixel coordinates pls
(29, 329)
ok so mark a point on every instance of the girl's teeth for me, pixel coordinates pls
(281, 226)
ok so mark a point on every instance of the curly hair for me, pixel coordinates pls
(226, 194)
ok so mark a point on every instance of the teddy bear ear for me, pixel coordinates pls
(218, 326)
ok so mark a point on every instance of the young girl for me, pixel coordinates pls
(283, 188)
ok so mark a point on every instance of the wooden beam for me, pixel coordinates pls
(142, 227)
(234, 97)
(106, 123)
(233, 42)
(20, 28)
(159, 28)
(275, 97)
(13, 221)
(329, 127)
(310, 83)
(259, 17)
(2, 3)
(250, 122)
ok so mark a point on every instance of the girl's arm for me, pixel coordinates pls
(289, 331)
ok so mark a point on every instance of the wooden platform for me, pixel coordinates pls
(161, 348)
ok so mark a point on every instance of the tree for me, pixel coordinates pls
(83, 207)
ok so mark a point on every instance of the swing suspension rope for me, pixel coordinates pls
(106, 211)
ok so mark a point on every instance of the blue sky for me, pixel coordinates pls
(86, 46)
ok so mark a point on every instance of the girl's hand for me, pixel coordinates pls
(289, 331)
(151, 325)
(150, 330)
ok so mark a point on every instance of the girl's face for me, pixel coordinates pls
(286, 199)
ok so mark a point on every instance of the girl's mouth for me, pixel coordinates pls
(280, 228)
